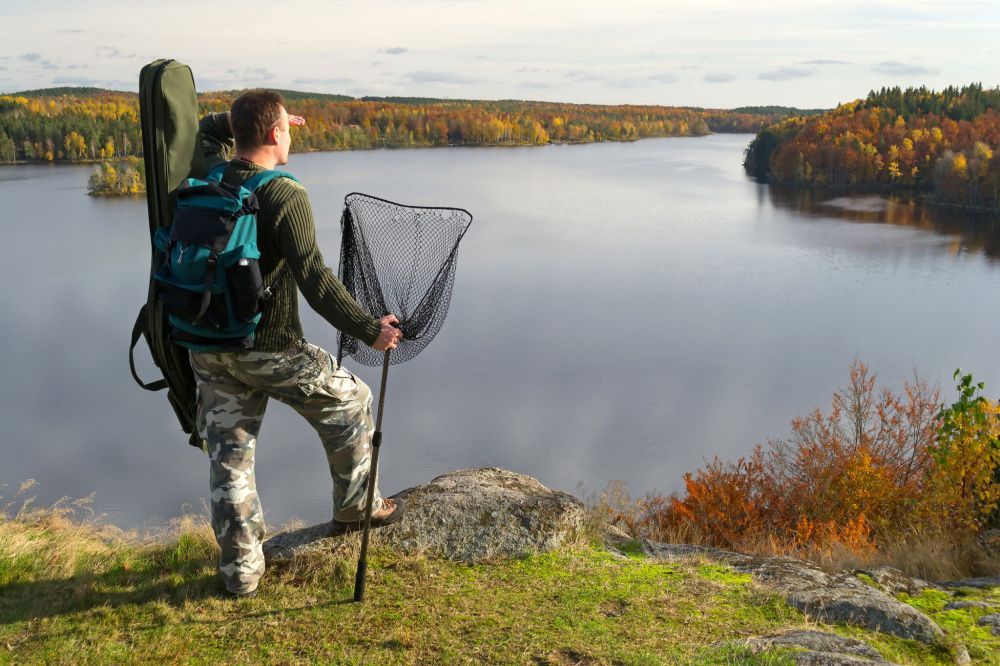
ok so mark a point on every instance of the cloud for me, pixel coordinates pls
(580, 75)
(438, 77)
(336, 80)
(70, 31)
(690, 66)
(896, 68)
(250, 74)
(37, 59)
(719, 77)
(615, 80)
(824, 61)
(539, 85)
(77, 80)
(393, 50)
(107, 52)
(663, 78)
(784, 74)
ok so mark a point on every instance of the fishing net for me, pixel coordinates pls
(397, 259)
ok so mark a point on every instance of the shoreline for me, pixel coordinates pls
(919, 198)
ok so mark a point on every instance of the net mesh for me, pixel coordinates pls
(401, 260)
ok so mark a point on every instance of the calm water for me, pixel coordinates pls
(621, 311)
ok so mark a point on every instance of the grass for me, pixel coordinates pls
(960, 624)
(79, 593)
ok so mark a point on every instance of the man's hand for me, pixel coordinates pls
(390, 336)
(297, 121)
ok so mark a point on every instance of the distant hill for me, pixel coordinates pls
(81, 91)
(74, 124)
(780, 111)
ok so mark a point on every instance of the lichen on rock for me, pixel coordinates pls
(469, 515)
(829, 597)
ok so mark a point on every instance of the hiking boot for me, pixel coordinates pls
(379, 519)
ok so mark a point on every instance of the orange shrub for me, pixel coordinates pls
(881, 470)
(847, 479)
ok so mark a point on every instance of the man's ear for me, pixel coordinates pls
(272, 136)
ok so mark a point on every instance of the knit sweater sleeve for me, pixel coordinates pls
(215, 139)
(296, 240)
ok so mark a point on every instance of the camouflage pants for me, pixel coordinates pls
(233, 389)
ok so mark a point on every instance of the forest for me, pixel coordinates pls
(87, 124)
(940, 144)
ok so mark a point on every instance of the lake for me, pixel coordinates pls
(621, 311)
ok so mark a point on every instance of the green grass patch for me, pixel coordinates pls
(69, 595)
(867, 580)
(960, 624)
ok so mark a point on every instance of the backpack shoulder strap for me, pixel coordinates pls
(140, 327)
(264, 177)
(217, 172)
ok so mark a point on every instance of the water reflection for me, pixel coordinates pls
(622, 311)
(969, 231)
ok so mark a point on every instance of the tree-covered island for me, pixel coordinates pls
(942, 145)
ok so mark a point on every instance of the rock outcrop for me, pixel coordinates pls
(470, 515)
(992, 621)
(818, 648)
(893, 581)
(979, 583)
(837, 597)
(960, 605)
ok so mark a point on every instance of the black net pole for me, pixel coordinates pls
(400, 260)
(360, 575)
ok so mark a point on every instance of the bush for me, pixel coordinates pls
(880, 469)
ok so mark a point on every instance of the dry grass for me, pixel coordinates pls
(922, 554)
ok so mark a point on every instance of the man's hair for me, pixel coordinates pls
(253, 115)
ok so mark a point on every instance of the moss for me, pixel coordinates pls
(867, 580)
(960, 624)
(723, 574)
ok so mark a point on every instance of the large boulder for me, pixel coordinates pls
(470, 515)
(829, 597)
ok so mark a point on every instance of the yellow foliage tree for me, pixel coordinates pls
(963, 485)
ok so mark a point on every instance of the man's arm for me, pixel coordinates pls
(296, 236)
(215, 141)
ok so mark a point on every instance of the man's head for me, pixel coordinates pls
(260, 124)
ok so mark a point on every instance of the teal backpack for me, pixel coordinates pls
(207, 274)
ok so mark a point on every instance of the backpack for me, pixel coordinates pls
(207, 274)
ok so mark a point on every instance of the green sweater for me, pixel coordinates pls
(286, 234)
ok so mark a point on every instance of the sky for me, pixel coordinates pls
(711, 53)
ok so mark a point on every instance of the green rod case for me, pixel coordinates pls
(168, 115)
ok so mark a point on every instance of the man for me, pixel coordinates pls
(234, 387)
